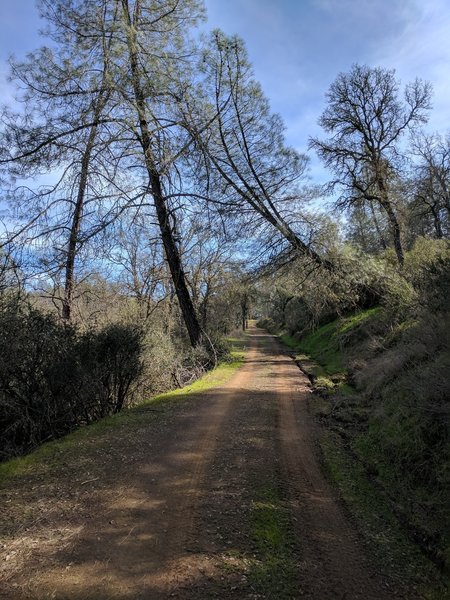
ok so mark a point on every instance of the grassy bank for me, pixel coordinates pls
(371, 384)
(56, 453)
(320, 354)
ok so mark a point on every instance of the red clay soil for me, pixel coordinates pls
(164, 512)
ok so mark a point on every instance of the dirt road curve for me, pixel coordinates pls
(167, 514)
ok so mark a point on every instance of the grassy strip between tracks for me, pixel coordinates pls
(274, 571)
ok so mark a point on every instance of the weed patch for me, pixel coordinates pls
(274, 572)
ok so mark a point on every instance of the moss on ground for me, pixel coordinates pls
(273, 573)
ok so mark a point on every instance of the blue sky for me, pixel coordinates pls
(299, 46)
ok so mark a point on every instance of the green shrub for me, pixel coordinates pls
(268, 324)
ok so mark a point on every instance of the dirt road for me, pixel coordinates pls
(169, 511)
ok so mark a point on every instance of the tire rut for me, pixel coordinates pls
(333, 564)
(170, 516)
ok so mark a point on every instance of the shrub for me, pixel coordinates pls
(297, 316)
(109, 362)
(37, 385)
(53, 379)
(268, 324)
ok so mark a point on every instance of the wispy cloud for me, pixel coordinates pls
(298, 47)
(423, 51)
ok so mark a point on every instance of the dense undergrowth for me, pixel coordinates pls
(57, 377)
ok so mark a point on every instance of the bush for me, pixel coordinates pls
(109, 362)
(55, 379)
(36, 376)
(159, 356)
(297, 316)
(268, 324)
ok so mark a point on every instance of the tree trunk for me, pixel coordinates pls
(396, 232)
(69, 282)
(244, 309)
(437, 222)
(174, 261)
(170, 247)
(377, 228)
(204, 307)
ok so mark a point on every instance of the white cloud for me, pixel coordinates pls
(299, 47)
(423, 51)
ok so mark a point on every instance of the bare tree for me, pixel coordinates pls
(366, 118)
(210, 257)
(138, 257)
(431, 181)
(12, 278)
(246, 165)
(366, 227)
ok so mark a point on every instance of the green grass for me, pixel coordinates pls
(320, 373)
(324, 344)
(394, 552)
(72, 446)
(320, 352)
(214, 378)
(349, 445)
(237, 344)
(274, 572)
(322, 348)
(352, 321)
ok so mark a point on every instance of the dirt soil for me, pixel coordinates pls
(165, 512)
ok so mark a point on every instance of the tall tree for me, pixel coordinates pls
(66, 128)
(366, 118)
(156, 53)
(431, 180)
(123, 68)
(247, 166)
